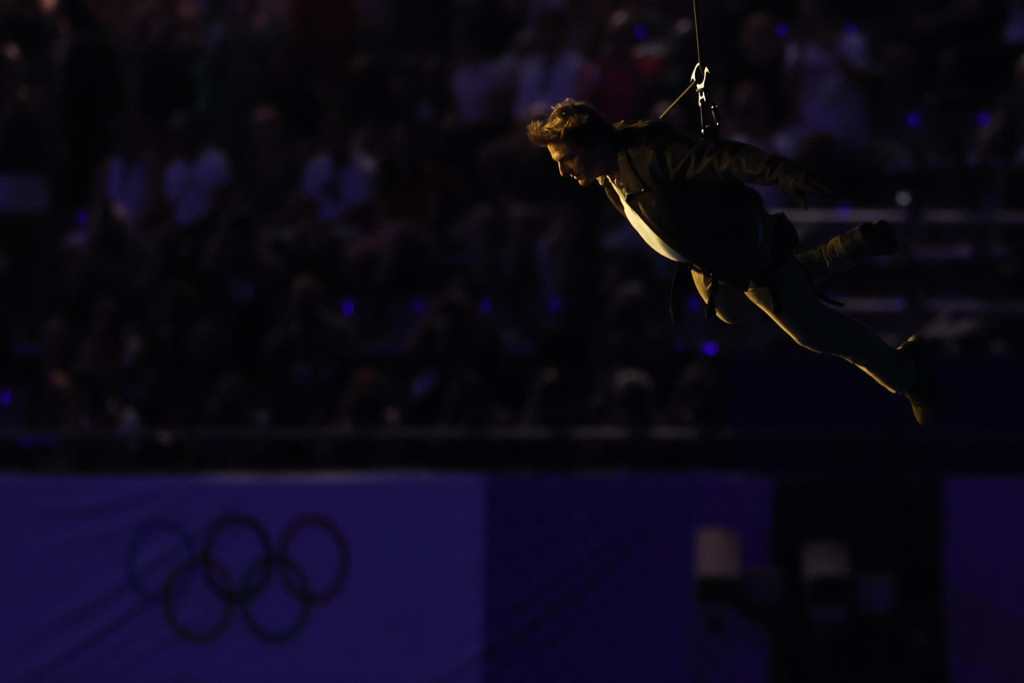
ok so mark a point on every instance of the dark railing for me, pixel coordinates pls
(533, 448)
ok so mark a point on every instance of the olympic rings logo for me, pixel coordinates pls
(200, 586)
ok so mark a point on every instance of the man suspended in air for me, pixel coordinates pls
(689, 200)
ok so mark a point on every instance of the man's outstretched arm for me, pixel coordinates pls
(728, 159)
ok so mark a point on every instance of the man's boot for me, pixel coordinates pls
(927, 395)
(850, 249)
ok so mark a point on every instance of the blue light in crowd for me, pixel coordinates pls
(844, 210)
(348, 308)
(694, 303)
(640, 32)
(983, 118)
(851, 28)
(554, 303)
(710, 348)
(419, 305)
(81, 218)
(6, 396)
(484, 305)
(781, 30)
(914, 119)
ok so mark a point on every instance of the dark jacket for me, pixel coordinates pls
(693, 194)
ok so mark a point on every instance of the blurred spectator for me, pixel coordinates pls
(480, 87)
(632, 359)
(999, 144)
(269, 162)
(750, 121)
(750, 116)
(112, 262)
(964, 33)
(93, 91)
(967, 67)
(456, 363)
(128, 179)
(27, 155)
(198, 173)
(171, 73)
(371, 399)
(630, 334)
(399, 252)
(230, 402)
(106, 357)
(29, 159)
(339, 179)
(324, 202)
(826, 64)
(1013, 29)
(323, 35)
(173, 392)
(757, 62)
(628, 397)
(613, 82)
(550, 68)
(480, 84)
(28, 26)
(308, 357)
(243, 289)
(699, 394)
(54, 384)
(236, 47)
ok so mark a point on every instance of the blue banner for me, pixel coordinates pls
(591, 578)
(984, 599)
(242, 578)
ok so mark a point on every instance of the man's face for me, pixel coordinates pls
(582, 164)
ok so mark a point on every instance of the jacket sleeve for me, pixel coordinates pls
(726, 159)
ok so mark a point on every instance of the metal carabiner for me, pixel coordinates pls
(708, 109)
(701, 95)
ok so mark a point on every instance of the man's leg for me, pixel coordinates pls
(816, 326)
(731, 305)
(796, 308)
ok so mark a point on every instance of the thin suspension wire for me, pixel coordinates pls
(696, 37)
(696, 31)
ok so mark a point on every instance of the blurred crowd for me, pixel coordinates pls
(325, 212)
